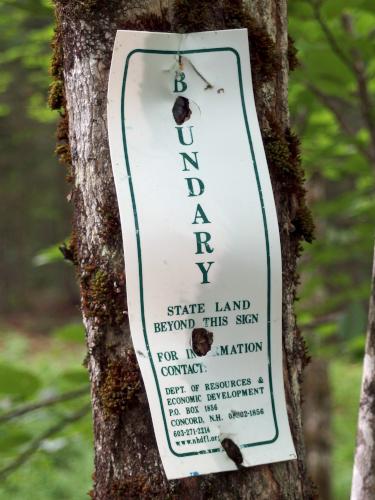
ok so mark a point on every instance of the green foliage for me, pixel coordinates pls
(48, 256)
(13, 439)
(72, 332)
(327, 112)
(345, 380)
(77, 377)
(17, 383)
(62, 466)
(31, 183)
(64, 474)
(26, 29)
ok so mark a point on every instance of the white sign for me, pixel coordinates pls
(202, 250)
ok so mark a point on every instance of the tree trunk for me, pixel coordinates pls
(127, 463)
(363, 487)
(317, 425)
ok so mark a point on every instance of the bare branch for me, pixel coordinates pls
(36, 443)
(66, 396)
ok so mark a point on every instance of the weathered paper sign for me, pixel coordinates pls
(202, 251)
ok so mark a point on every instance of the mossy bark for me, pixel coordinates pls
(127, 463)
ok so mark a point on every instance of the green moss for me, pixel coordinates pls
(56, 66)
(99, 285)
(292, 54)
(103, 296)
(62, 131)
(73, 246)
(121, 382)
(56, 95)
(302, 351)
(277, 153)
(284, 161)
(304, 223)
(148, 22)
(56, 98)
(192, 15)
(263, 54)
(285, 168)
(294, 145)
(96, 295)
(63, 153)
(57, 101)
(265, 61)
(89, 5)
(87, 10)
(67, 252)
(110, 227)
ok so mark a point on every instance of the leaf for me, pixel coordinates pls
(48, 256)
(82, 427)
(356, 347)
(17, 382)
(12, 438)
(72, 332)
(326, 330)
(78, 377)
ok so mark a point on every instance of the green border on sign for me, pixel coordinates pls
(140, 271)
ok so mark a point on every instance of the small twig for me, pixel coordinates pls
(18, 412)
(208, 84)
(35, 444)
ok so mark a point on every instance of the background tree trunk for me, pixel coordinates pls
(363, 487)
(127, 463)
(317, 414)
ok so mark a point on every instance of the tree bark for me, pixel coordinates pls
(363, 487)
(127, 463)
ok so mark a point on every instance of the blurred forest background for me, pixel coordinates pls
(45, 428)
